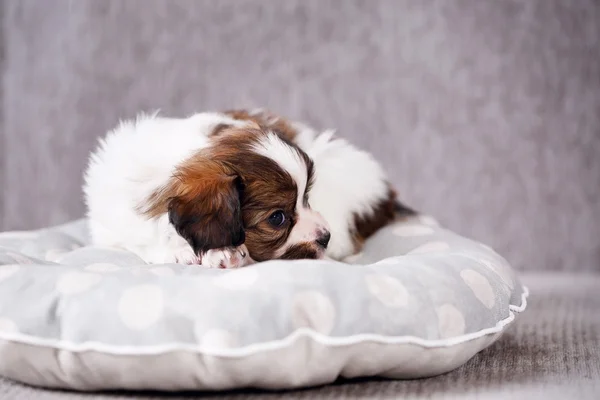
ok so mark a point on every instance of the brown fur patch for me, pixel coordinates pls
(384, 212)
(217, 130)
(203, 203)
(267, 120)
(301, 251)
(267, 188)
(220, 128)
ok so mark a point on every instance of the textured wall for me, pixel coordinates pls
(2, 145)
(485, 113)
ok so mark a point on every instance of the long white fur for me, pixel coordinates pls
(348, 181)
(131, 162)
(140, 155)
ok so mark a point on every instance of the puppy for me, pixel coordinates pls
(228, 189)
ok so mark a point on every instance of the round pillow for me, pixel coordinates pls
(418, 301)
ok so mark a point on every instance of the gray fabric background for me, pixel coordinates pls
(486, 113)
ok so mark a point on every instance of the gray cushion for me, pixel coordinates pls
(551, 352)
(421, 301)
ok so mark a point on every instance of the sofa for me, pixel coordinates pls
(485, 114)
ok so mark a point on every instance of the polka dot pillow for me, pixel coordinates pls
(419, 301)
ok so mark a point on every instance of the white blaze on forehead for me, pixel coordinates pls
(288, 158)
(309, 225)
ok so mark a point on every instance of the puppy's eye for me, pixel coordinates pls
(277, 219)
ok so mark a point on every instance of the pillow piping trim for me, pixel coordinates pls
(252, 349)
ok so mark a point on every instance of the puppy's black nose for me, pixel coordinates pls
(323, 239)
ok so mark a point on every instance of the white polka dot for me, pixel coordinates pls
(8, 326)
(55, 255)
(6, 271)
(504, 272)
(313, 310)
(428, 220)
(102, 267)
(412, 230)
(431, 247)
(141, 306)
(451, 322)
(216, 339)
(162, 271)
(480, 286)
(237, 279)
(390, 291)
(77, 282)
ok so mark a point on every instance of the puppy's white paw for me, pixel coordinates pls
(185, 255)
(229, 257)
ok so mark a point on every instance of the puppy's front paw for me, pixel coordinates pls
(229, 257)
(185, 255)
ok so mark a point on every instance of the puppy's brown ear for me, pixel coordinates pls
(203, 202)
(209, 217)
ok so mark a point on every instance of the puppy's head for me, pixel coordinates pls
(250, 186)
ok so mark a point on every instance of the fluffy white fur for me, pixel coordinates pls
(139, 156)
(348, 181)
